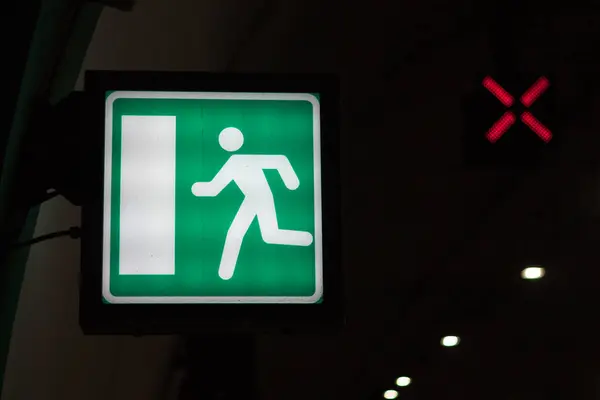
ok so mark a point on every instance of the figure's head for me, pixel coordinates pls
(231, 139)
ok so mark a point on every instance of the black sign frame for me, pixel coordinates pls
(98, 317)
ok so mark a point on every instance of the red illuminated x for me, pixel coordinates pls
(508, 119)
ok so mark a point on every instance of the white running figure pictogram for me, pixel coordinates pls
(246, 170)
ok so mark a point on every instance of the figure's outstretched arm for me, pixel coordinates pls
(218, 183)
(288, 175)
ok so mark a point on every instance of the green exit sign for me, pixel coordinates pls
(211, 202)
(212, 198)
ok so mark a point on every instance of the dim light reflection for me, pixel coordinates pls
(403, 381)
(450, 341)
(533, 272)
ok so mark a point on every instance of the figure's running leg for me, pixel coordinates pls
(271, 234)
(233, 242)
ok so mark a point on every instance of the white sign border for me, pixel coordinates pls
(108, 136)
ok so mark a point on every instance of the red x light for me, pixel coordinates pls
(508, 118)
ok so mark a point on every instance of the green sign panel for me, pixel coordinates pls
(212, 198)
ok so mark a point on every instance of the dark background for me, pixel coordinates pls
(430, 247)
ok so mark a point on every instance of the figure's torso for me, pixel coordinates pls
(250, 177)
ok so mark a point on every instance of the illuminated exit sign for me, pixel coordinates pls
(212, 198)
(509, 120)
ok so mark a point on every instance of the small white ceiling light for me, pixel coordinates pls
(533, 272)
(403, 381)
(390, 394)
(450, 341)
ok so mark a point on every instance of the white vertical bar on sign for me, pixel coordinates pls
(147, 214)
